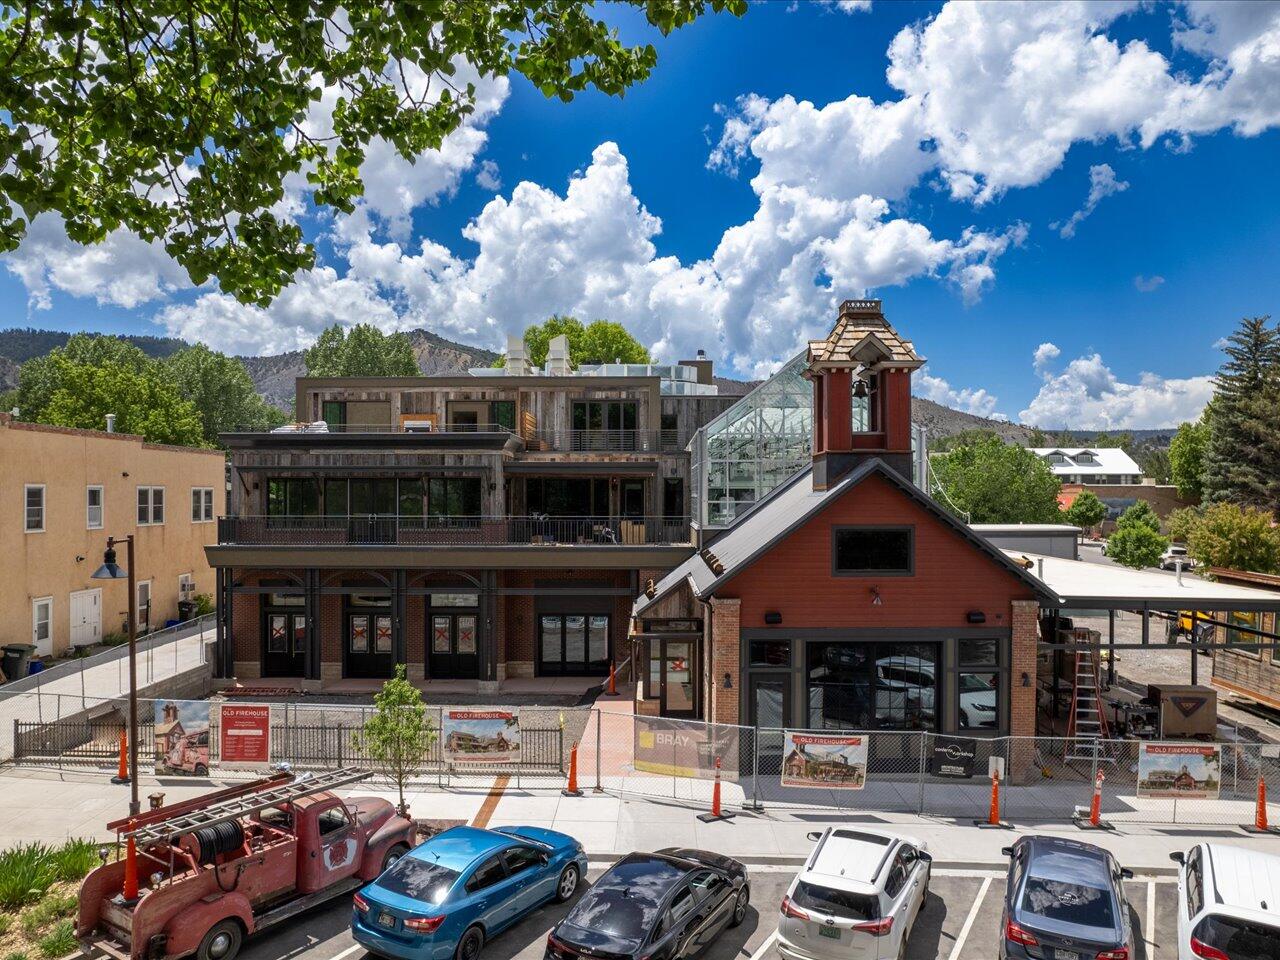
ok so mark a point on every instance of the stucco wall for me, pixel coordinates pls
(45, 564)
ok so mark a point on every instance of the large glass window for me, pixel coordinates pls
(373, 497)
(568, 496)
(862, 685)
(573, 644)
(604, 425)
(872, 550)
(294, 497)
(453, 497)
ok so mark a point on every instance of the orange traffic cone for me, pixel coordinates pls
(122, 772)
(613, 681)
(717, 812)
(993, 817)
(572, 789)
(130, 892)
(1260, 815)
(1094, 820)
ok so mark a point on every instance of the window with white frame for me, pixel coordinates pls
(150, 505)
(42, 625)
(201, 504)
(186, 587)
(144, 606)
(34, 502)
(93, 508)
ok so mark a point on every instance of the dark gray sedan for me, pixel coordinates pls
(1064, 901)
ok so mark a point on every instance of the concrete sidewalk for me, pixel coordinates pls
(50, 806)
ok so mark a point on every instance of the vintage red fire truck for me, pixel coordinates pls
(212, 870)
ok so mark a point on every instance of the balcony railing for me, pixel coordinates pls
(454, 531)
(602, 441)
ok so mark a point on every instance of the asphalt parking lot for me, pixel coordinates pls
(960, 921)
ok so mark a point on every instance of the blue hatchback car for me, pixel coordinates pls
(446, 897)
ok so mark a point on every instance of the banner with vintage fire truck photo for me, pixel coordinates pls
(182, 738)
(822, 760)
(480, 736)
(1185, 771)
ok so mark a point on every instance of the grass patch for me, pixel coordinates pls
(74, 859)
(59, 941)
(6, 921)
(52, 907)
(17, 955)
(26, 872)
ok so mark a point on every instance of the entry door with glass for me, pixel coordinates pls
(678, 664)
(452, 649)
(573, 645)
(768, 710)
(284, 650)
(369, 648)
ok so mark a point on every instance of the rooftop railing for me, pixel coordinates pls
(603, 441)
(453, 531)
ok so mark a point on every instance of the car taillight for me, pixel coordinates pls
(1016, 934)
(877, 928)
(789, 909)
(555, 947)
(1202, 949)
(1121, 954)
(423, 924)
(360, 903)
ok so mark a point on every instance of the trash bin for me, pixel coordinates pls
(186, 610)
(15, 660)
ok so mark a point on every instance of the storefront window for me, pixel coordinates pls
(979, 653)
(770, 653)
(979, 701)
(859, 685)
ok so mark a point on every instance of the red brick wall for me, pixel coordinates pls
(1022, 700)
(951, 577)
(725, 656)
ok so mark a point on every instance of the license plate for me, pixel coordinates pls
(387, 920)
(1066, 955)
(831, 932)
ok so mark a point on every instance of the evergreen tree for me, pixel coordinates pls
(1240, 457)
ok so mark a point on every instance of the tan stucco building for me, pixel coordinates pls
(63, 491)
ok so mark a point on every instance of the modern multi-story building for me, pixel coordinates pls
(1100, 465)
(63, 492)
(480, 527)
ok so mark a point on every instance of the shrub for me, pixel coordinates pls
(59, 941)
(26, 872)
(204, 604)
(1140, 513)
(49, 909)
(75, 858)
(114, 639)
(1136, 545)
(17, 955)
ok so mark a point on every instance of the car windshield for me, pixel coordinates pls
(422, 880)
(837, 903)
(1240, 939)
(624, 905)
(1068, 902)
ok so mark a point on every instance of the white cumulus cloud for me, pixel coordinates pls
(1103, 183)
(978, 402)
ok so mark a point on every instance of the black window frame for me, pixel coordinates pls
(474, 886)
(908, 529)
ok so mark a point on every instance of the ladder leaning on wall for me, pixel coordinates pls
(1087, 724)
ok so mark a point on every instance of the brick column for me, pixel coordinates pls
(1025, 623)
(723, 657)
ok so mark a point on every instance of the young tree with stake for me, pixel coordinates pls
(398, 734)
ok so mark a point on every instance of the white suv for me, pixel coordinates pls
(856, 897)
(1228, 903)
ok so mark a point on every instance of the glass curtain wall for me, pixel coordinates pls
(753, 446)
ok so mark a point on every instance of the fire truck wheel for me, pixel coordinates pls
(201, 770)
(470, 944)
(392, 855)
(222, 942)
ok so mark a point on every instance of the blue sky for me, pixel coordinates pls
(929, 154)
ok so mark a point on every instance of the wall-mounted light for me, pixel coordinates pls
(876, 599)
(728, 681)
(772, 617)
(1026, 679)
(79, 559)
(976, 616)
(125, 473)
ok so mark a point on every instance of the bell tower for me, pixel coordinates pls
(861, 376)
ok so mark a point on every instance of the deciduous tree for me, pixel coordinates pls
(1140, 514)
(1136, 545)
(222, 392)
(1086, 511)
(398, 734)
(1236, 537)
(997, 482)
(365, 351)
(182, 120)
(600, 341)
(1186, 458)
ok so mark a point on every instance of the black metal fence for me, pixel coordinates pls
(460, 531)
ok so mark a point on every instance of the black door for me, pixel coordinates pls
(769, 711)
(452, 646)
(573, 645)
(285, 645)
(369, 649)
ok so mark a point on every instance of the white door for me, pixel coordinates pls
(42, 626)
(86, 617)
(143, 610)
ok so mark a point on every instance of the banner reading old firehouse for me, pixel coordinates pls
(822, 760)
(1186, 771)
(244, 735)
(481, 736)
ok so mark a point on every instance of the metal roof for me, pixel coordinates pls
(1084, 584)
(1105, 460)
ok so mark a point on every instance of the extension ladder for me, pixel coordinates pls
(1087, 724)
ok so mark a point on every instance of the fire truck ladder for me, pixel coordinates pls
(1087, 724)
(250, 802)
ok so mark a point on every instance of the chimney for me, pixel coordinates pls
(558, 357)
(111, 423)
(517, 360)
(702, 365)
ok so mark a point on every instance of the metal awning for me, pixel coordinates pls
(1082, 585)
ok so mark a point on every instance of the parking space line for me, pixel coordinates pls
(764, 947)
(491, 801)
(355, 948)
(968, 921)
(1149, 924)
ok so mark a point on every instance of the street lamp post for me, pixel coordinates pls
(110, 570)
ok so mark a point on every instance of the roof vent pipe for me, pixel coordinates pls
(111, 423)
(1177, 567)
(1040, 567)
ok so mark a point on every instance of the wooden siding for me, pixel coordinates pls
(1254, 674)
(952, 576)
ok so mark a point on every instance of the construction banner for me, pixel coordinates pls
(481, 736)
(679, 748)
(182, 737)
(244, 735)
(1183, 771)
(821, 760)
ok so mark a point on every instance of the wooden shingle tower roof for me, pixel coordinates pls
(862, 336)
